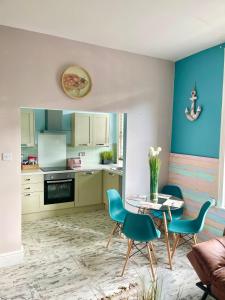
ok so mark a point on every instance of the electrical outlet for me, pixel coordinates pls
(81, 153)
(7, 156)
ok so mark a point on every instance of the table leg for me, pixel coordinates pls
(170, 216)
(167, 239)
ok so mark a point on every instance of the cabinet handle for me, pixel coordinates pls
(28, 179)
(89, 173)
(100, 144)
(83, 144)
(27, 195)
(28, 188)
(112, 174)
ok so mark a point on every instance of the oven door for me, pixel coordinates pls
(58, 191)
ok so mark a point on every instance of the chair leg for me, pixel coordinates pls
(167, 240)
(153, 252)
(175, 244)
(111, 234)
(130, 245)
(195, 239)
(151, 263)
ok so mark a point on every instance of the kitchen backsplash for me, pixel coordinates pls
(92, 154)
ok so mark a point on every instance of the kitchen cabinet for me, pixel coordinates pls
(88, 188)
(111, 181)
(100, 130)
(32, 193)
(31, 202)
(81, 129)
(90, 129)
(27, 128)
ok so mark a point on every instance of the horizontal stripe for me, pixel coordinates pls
(197, 174)
(195, 195)
(214, 231)
(203, 165)
(188, 158)
(193, 183)
(197, 168)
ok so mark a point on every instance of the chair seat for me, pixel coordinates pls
(183, 226)
(119, 216)
(176, 214)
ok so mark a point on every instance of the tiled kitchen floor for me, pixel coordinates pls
(66, 258)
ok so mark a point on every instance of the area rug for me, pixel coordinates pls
(66, 258)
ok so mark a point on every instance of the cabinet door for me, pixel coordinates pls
(81, 129)
(110, 181)
(31, 202)
(100, 129)
(89, 188)
(27, 128)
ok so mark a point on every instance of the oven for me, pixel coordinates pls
(58, 188)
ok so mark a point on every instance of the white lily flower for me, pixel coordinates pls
(153, 152)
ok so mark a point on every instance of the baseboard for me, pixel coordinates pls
(11, 258)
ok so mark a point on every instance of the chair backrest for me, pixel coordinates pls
(173, 190)
(139, 227)
(115, 203)
(200, 220)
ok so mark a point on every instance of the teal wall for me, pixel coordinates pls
(202, 137)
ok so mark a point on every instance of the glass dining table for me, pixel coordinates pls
(165, 205)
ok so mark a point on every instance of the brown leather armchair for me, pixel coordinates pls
(208, 260)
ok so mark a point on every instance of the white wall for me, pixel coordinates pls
(31, 67)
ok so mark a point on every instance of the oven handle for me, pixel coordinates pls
(59, 181)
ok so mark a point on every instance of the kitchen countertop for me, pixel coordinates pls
(85, 168)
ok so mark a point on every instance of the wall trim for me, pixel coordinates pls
(221, 186)
(11, 258)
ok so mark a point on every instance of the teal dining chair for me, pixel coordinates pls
(117, 211)
(140, 229)
(175, 191)
(189, 228)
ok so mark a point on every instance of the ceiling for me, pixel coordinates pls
(168, 29)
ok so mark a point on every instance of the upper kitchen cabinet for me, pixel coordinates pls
(27, 128)
(100, 130)
(81, 128)
(90, 129)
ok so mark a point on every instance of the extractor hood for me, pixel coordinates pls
(53, 120)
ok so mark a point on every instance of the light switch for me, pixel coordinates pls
(7, 156)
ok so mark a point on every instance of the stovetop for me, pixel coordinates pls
(50, 169)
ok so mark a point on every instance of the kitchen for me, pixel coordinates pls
(68, 160)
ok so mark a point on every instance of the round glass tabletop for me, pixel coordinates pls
(144, 202)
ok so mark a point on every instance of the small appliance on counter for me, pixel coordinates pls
(73, 163)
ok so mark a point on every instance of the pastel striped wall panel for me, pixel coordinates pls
(198, 179)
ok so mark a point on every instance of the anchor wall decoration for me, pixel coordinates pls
(191, 114)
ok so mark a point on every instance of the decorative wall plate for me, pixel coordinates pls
(76, 82)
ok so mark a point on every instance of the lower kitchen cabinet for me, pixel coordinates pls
(88, 188)
(31, 202)
(111, 181)
(32, 193)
